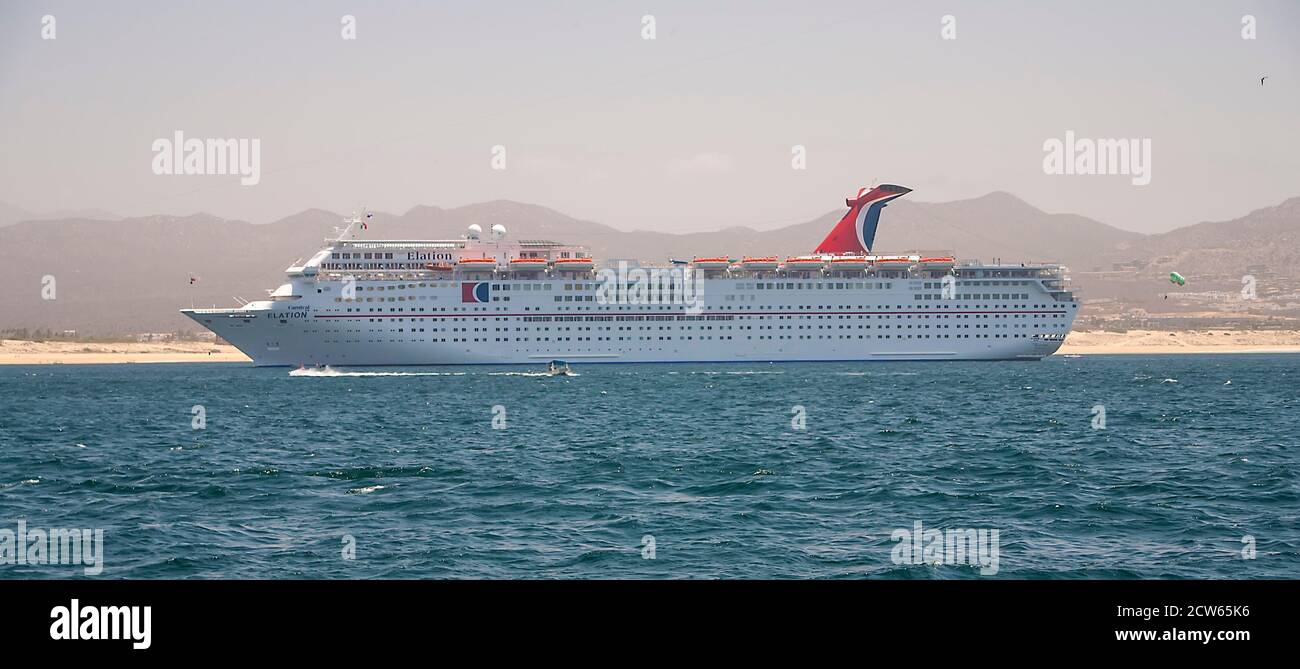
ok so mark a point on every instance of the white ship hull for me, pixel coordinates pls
(737, 324)
(476, 301)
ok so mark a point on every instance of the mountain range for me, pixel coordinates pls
(117, 275)
(10, 214)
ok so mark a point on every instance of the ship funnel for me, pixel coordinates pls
(856, 232)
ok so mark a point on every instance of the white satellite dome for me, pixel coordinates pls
(498, 231)
(475, 231)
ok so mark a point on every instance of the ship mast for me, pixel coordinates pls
(352, 222)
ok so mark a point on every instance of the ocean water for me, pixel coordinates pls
(1196, 468)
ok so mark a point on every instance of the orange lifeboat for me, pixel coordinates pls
(804, 263)
(528, 264)
(848, 263)
(760, 263)
(574, 264)
(477, 264)
(718, 262)
(941, 262)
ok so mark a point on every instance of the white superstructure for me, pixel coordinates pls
(483, 301)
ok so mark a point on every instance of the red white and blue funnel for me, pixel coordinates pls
(856, 232)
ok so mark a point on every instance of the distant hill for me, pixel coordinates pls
(131, 275)
(1268, 237)
(10, 214)
(1215, 258)
(997, 225)
(91, 214)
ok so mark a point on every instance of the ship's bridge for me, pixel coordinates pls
(1052, 277)
(415, 257)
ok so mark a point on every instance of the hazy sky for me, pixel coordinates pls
(690, 131)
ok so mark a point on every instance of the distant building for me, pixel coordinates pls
(1129, 266)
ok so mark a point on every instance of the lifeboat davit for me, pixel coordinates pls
(760, 263)
(848, 263)
(574, 264)
(804, 263)
(528, 264)
(719, 262)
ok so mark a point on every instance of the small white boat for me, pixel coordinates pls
(559, 368)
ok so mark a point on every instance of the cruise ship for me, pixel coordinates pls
(489, 299)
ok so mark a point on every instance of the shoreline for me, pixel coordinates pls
(19, 352)
(1132, 342)
(1188, 342)
(1153, 350)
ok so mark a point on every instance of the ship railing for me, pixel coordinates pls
(924, 253)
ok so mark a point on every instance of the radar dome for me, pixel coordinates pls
(475, 231)
(498, 231)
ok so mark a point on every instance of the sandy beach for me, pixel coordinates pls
(1197, 341)
(18, 352)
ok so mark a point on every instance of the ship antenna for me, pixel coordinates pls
(352, 222)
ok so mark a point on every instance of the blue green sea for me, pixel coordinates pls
(661, 471)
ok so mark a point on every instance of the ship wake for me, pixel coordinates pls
(331, 372)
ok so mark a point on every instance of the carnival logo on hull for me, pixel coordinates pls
(473, 291)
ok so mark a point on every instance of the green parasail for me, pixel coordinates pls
(1175, 277)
